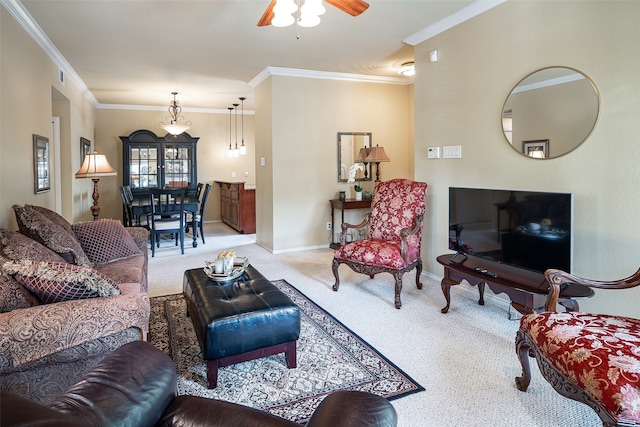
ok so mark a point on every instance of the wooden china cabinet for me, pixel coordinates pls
(152, 161)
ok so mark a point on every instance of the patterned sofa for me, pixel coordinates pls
(69, 295)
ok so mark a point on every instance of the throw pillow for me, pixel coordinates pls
(56, 281)
(16, 246)
(56, 237)
(12, 294)
(105, 240)
(52, 216)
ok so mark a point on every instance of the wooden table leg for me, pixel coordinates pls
(446, 284)
(481, 292)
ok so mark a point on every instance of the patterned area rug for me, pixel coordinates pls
(330, 358)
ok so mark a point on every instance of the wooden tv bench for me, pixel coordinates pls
(526, 289)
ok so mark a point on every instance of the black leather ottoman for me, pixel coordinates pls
(241, 319)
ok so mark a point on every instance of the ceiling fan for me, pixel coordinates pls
(352, 7)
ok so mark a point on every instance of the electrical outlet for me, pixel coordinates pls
(329, 225)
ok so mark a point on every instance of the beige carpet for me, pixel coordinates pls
(330, 357)
(465, 359)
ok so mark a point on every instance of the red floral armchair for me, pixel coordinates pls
(591, 358)
(395, 234)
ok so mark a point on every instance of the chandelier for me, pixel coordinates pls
(175, 111)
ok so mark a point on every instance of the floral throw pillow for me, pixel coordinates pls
(58, 281)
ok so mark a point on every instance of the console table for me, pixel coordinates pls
(344, 205)
(527, 289)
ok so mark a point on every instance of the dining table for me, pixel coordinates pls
(141, 205)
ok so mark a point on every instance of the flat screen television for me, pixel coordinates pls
(527, 229)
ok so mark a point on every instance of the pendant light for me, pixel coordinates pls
(243, 148)
(236, 151)
(230, 150)
(175, 111)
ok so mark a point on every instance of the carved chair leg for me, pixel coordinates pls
(418, 273)
(523, 351)
(398, 277)
(334, 267)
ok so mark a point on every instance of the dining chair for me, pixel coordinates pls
(127, 209)
(395, 234)
(167, 216)
(200, 213)
(199, 190)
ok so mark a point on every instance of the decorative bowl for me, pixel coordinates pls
(240, 264)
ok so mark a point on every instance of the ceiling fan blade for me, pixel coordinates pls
(352, 7)
(268, 15)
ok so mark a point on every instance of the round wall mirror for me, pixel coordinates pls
(550, 112)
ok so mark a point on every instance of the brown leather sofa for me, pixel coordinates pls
(135, 386)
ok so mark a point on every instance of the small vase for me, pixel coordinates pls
(358, 195)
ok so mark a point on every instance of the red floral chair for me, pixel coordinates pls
(591, 358)
(395, 234)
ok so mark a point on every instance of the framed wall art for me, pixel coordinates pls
(41, 167)
(85, 148)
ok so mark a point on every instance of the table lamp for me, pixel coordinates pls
(95, 166)
(377, 155)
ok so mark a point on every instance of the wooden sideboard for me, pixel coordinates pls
(238, 206)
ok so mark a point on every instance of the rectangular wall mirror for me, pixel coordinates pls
(349, 145)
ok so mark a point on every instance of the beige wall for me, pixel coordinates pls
(30, 96)
(213, 163)
(301, 145)
(264, 174)
(459, 100)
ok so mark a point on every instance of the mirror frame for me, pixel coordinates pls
(361, 175)
(549, 154)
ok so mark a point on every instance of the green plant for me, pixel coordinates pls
(357, 188)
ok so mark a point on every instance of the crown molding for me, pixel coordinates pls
(326, 75)
(549, 82)
(164, 108)
(456, 18)
(26, 21)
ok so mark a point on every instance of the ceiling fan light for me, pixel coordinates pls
(282, 20)
(309, 20)
(313, 7)
(285, 7)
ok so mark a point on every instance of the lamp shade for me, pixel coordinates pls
(377, 155)
(95, 165)
(362, 155)
(175, 129)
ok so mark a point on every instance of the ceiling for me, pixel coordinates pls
(136, 52)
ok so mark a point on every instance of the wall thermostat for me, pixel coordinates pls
(433, 153)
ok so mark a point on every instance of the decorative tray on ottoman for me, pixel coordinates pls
(239, 266)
